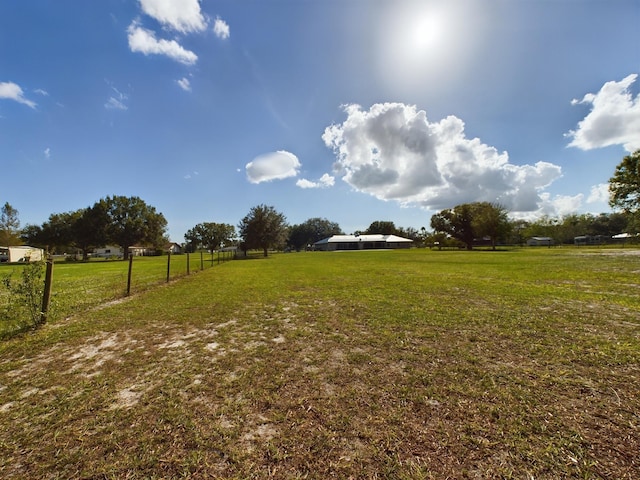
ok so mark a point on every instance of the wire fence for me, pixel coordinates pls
(32, 293)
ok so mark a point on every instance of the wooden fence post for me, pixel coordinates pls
(46, 296)
(188, 264)
(129, 275)
(168, 266)
(201, 260)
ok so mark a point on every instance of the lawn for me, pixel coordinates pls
(80, 285)
(381, 364)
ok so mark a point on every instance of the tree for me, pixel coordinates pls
(263, 227)
(89, 228)
(209, 235)
(130, 221)
(32, 235)
(9, 226)
(624, 186)
(456, 222)
(490, 220)
(82, 229)
(311, 231)
(383, 227)
(608, 224)
(469, 221)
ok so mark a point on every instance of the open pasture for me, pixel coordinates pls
(376, 364)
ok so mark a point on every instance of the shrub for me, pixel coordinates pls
(23, 296)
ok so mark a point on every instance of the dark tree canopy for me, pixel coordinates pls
(469, 221)
(624, 186)
(456, 222)
(130, 221)
(209, 235)
(490, 221)
(9, 226)
(384, 227)
(263, 228)
(312, 230)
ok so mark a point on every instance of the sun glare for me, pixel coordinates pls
(425, 33)
(420, 43)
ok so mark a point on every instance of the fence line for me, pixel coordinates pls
(67, 293)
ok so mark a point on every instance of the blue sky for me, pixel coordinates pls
(351, 110)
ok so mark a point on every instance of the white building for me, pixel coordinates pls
(362, 242)
(109, 251)
(22, 253)
(540, 242)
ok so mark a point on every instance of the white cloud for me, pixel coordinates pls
(393, 152)
(325, 181)
(181, 15)
(599, 193)
(185, 84)
(560, 205)
(221, 28)
(144, 41)
(47, 153)
(12, 91)
(272, 166)
(117, 101)
(614, 118)
(42, 92)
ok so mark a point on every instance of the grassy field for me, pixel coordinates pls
(387, 364)
(80, 285)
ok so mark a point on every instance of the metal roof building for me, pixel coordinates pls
(362, 242)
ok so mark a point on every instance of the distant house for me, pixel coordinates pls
(173, 248)
(109, 251)
(139, 251)
(590, 240)
(362, 242)
(540, 242)
(625, 237)
(22, 253)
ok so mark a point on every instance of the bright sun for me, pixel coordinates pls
(424, 33)
(417, 44)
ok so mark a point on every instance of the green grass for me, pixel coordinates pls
(386, 364)
(81, 285)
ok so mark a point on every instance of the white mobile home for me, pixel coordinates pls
(362, 242)
(22, 253)
(540, 242)
(109, 251)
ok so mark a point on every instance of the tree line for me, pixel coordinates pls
(116, 220)
(129, 221)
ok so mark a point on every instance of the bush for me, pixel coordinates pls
(23, 295)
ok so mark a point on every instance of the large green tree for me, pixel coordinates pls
(624, 186)
(209, 235)
(469, 221)
(456, 222)
(130, 222)
(263, 228)
(82, 229)
(383, 227)
(9, 225)
(312, 230)
(490, 220)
